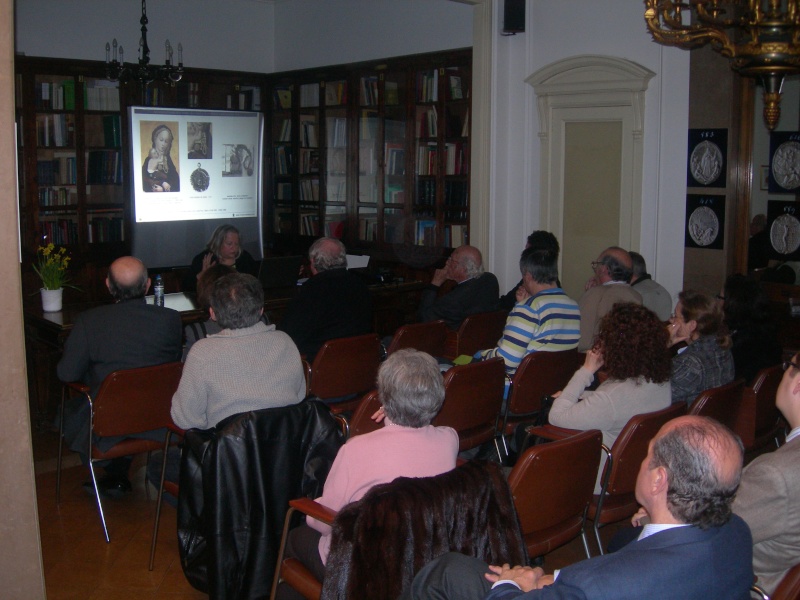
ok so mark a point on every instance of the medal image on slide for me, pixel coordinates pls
(238, 160)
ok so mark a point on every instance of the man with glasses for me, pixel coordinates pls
(769, 493)
(610, 284)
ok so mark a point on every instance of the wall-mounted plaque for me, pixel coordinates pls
(708, 158)
(784, 162)
(705, 221)
(783, 225)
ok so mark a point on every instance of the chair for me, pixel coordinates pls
(426, 337)
(473, 395)
(539, 374)
(164, 486)
(477, 332)
(361, 421)
(760, 420)
(129, 402)
(552, 486)
(723, 403)
(408, 522)
(345, 367)
(788, 588)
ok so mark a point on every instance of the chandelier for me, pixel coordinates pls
(142, 71)
(761, 37)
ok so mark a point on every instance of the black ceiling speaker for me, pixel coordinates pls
(513, 17)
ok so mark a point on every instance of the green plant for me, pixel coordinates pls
(51, 266)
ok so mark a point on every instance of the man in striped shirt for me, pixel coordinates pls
(544, 317)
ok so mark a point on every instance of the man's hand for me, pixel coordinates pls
(439, 277)
(545, 580)
(526, 578)
(591, 283)
(521, 294)
(641, 518)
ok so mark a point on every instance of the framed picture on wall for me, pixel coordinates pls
(705, 221)
(783, 225)
(784, 162)
(708, 158)
(763, 177)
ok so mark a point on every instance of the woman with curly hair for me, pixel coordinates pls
(706, 362)
(631, 346)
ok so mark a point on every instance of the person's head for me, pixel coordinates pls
(464, 263)
(410, 387)
(698, 314)
(127, 279)
(613, 264)
(538, 266)
(225, 243)
(638, 265)
(162, 139)
(326, 254)
(633, 342)
(691, 472)
(744, 303)
(205, 283)
(758, 224)
(787, 398)
(543, 240)
(237, 301)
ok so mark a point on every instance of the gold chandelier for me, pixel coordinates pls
(762, 37)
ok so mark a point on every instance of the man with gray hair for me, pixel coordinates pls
(475, 290)
(654, 295)
(609, 285)
(333, 303)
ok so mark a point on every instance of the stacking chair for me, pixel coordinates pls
(129, 402)
(164, 486)
(473, 395)
(345, 368)
(723, 403)
(760, 420)
(552, 486)
(477, 332)
(426, 337)
(788, 588)
(361, 422)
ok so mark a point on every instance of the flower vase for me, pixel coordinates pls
(51, 299)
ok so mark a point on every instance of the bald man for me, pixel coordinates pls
(692, 548)
(475, 290)
(609, 285)
(127, 334)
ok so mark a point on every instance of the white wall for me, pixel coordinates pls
(557, 29)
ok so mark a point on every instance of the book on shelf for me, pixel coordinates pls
(455, 235)
(336, 132)
(367, 226)
(427, 122)
(369, 90)
(283, 221)
(309, 95)
(394, 155)
(309, 190)
(455, 88)
(395, 193)
(105, 228)
(286, 131)
(456, 193)
(428, 86)
(465, 129)
(283, 98)
(426, 192)
(283, 160)
(249, 97)
(308, 131)
(391, 91)
(368, 125)
(455, 158)
(101, 94)
(309, 161)
(309, 223)
(425, 234)
(336, 93)
(58, 229)
(427, 158)
(283, 191)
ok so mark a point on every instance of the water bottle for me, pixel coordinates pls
(158, 291)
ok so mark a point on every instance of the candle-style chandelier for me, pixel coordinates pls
(142, 71)
(761, 37)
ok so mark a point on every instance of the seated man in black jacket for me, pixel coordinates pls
(334, 303)
(475, 292)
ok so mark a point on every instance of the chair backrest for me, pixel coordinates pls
(361, 421)
(765, 388)
(426, 337)
(345, 366)
(630, 447)
(723, 403)
(541, 374)
(789, 587)
(551, 506)
(480, 331)
(473, 395)
(132, 401)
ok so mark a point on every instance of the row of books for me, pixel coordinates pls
(456, 162)
(309, 190)
(308, 131)
(368, 228)
(63, 196)
(60, 170)
(369, 90)
(189, 95)
(309, 224)
(426, 192)
(98, 94)
(55, 130)
(285, 134)
(309, 161)
(106, 229)
(112, 133)
(456, 215)
(395, 194)
(457, 122)
(336, 132)
(427, 122)
(103, 167)
(456, 193)
(455, 235)
(336, 92)
(428, 86)
(427, 159)
(283, 160)
(425, 232)
(59, 231)
(368, 125)
(283, 191)
(395, 159)
(101, 94)
(309, 95)
(248, 98)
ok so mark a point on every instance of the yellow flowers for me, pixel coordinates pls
(51, 266)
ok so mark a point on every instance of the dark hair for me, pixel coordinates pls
(544, 240)
(639, 265)
(410, 387)
(137, 288)
(746, 304)
(691, 454)
(704, 310)
(542, 265)
(237, 300)
(616, 269)
(205, 283)
(634, 344)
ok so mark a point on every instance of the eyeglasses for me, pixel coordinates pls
(596, 264)
(789, 363)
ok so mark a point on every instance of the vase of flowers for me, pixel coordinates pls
(51, 267)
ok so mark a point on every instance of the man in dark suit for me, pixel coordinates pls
(692, 548)
(475, 292)
(333, 303)
(125, 335)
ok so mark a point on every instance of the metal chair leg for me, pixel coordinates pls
(596, 528)
(585, 543)
(99, 502)
(159, 500)
(60, 444)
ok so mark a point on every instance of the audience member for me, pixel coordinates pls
(654, 295)
(632, 349)
(246, 366)
(752, 329)
(759, 246)
(693, 547)
(545, 319)
(538, 240)
(475, 292)
(610, 284)
(333, 303)
(706, 361)
(202, 329)
(125, 335)
(223, 248)
(768, 496)
(411, 390)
